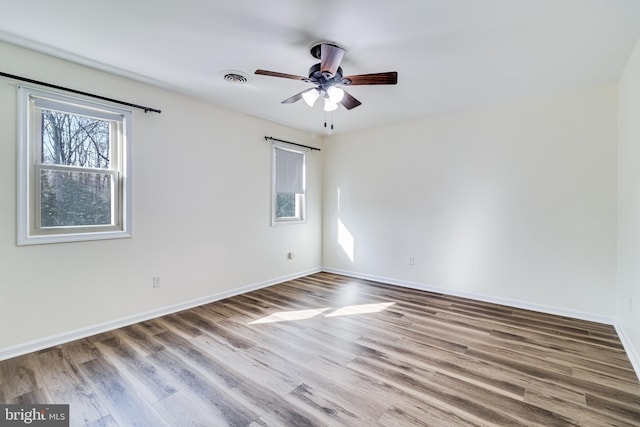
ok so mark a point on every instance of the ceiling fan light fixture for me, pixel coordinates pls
(330, 105)
(335, 94)
(311, 96)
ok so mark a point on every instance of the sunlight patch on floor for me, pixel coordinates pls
(284, 316)
(360, 309)
(349, 310)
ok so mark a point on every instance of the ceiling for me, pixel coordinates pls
(449, 54)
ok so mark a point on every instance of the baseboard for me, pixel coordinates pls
(634, 356)
(53, 340)
(478, 297)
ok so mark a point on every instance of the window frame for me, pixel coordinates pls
(300, 198)
(30, 230)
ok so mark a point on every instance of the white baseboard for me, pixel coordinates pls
(478, 297)
(634, 356)
(53, 340)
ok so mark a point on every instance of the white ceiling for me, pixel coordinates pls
(449, 54)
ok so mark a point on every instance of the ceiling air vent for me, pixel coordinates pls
(235, 77)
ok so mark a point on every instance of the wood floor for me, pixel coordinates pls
(329, 350)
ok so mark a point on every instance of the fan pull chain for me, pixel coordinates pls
(330, 130)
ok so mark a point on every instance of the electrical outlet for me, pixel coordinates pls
(412, 260)
(156, 281)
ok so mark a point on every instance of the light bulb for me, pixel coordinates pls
(329, 105)
(310, 96)
(335, 94)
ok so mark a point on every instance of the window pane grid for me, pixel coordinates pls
(73, 169)
(65, 168)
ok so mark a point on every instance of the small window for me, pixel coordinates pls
(288, 185)
(72, 164)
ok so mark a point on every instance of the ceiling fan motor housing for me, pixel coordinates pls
(318, 77)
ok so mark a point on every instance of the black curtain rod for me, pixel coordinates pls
(270, 138)
(128, 104)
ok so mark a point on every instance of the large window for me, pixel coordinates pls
(288, 185)
(72, 164)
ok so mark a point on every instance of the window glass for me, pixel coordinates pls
(71, 199)
(70, 139)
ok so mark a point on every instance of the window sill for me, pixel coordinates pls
(71, 237)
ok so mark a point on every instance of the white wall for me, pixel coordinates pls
(513, 203)
(201, 219)
(629, 207)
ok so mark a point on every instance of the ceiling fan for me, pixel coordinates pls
(327, 77)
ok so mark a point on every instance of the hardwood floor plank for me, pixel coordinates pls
(139, 337)
(415, 416)
(106, 421)
(557, 378)
(254, 395)
(216, 329)
(278, 381)
(20, 376)
(66, 384)
(201, 387)
(627, 384)
(524, 412)
(33, 397)
(137, 369)
(183, 409)
(340, 384)
(330, 350)
(124, 405)
(571, 405)
(329, 411)
(419, 383)
(615, 407)
(436, 360)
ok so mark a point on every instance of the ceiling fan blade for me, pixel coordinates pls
(349, 101)
(295, 98)
(330, 58)
(283, 75)
(388, 78)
